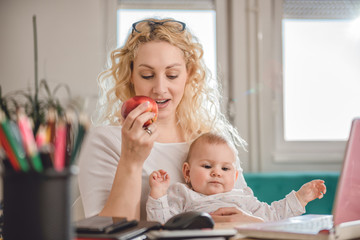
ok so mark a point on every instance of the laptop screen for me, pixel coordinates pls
(347, 202)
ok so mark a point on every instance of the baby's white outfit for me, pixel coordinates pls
(180, 198)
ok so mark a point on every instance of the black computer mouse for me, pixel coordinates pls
(189, 220)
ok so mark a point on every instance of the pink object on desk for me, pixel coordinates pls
(347, 198)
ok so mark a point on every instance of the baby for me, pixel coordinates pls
(210, 172)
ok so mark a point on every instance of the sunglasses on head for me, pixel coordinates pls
(172, 25)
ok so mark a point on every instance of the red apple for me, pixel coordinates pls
(133, 102)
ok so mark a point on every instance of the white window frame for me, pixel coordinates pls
(259, 116)
(311, 153)
(307, 151)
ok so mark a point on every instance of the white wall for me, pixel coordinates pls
(73, 40)
(71, 44)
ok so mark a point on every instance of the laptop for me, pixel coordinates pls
(344, 223)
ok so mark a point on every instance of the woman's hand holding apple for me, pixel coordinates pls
(139, 112)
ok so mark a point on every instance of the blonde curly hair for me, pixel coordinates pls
(199, 109)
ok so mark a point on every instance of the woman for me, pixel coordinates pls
(161, 60)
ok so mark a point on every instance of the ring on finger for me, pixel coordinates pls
(148, 130)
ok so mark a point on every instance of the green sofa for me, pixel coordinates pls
(273, 186)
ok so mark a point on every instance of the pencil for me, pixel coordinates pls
(17, 148)
(29, 140)
(41, 138)
(51, 128)
(70, 122)
(8, 150)
(60, 147)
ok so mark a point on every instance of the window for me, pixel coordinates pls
(321, 78)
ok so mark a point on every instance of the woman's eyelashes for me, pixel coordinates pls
(150, 75)
(147, 76)
(171, 77)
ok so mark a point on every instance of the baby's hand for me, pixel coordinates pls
(159, 183)
(310, 191)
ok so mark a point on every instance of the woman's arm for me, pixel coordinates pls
(136, 145)
(98, 162)
(232, 214)
(124, 197)
(111, 167)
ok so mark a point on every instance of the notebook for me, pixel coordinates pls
(344, 223)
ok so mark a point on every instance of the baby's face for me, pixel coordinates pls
(211, 168)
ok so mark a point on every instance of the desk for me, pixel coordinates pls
(225, 225)
(231, 225)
